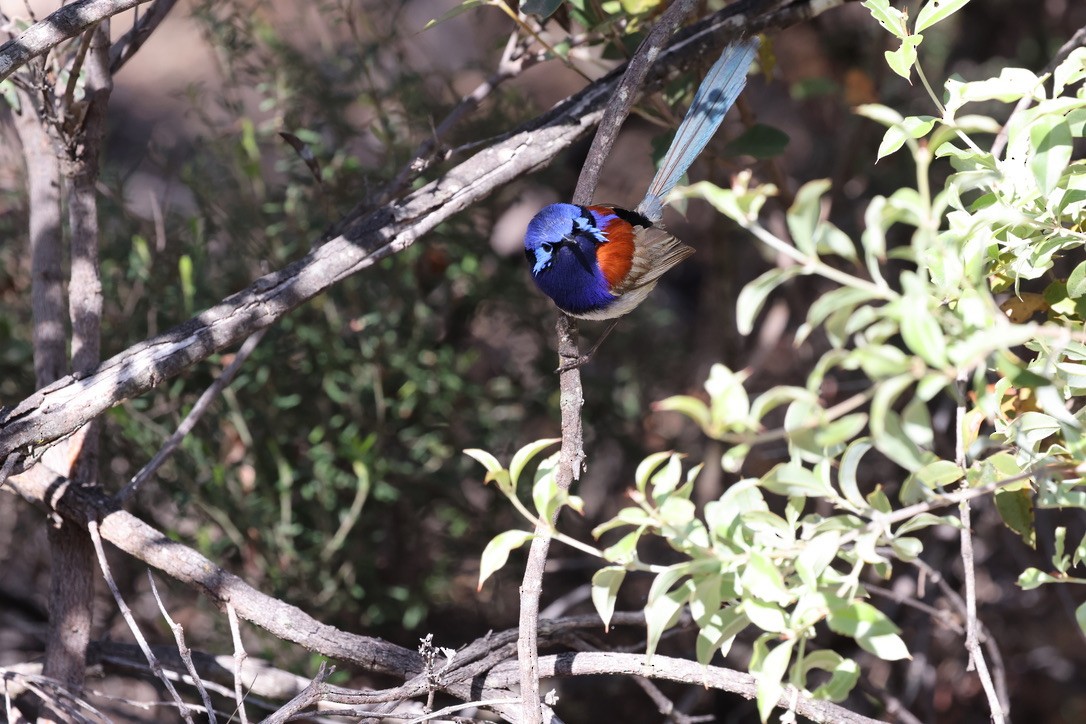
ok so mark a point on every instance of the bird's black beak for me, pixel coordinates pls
(577, 252)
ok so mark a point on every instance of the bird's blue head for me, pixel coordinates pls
(560, 246)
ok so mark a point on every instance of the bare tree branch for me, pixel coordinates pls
(194, 415)
(672, 669)
(67, 22)
(184, 652)
(129, 43)
(359, 243)
(126, 612)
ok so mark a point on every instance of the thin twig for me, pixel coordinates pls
(999, 671)
(9, 464)
(126, 612)
(127, 45)
(239, 659)
(972, 645)
(183, 650)
(624, 97)
(307, 697)
(186, 426)
(514, 61)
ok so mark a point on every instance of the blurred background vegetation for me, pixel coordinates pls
(331, 473)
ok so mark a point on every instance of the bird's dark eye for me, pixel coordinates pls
(547, 246)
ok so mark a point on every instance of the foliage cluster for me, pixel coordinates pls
(956, 313)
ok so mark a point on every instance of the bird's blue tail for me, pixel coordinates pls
(722, 85)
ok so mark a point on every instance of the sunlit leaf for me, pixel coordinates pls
(524, 456)
(935, 11)
(497, 552)
(605, 585)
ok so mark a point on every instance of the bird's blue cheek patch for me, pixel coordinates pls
(543, 261)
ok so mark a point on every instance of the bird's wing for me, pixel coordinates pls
(655, 252)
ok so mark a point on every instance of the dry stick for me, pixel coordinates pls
(307, 697)
(999, 669)
(239, 659)
(972, 644)
(678, 670)
(96, 538)
(184, 651)
(186, 426)
(571, 459)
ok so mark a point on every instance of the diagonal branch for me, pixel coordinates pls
(63, 407)
(129, 43)
(67, 22)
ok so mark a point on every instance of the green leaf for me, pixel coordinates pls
(846, 475)
(667, 478)
(1076, 282)
(871, 629)
(605, 585)
(793, 479)
(546, 496)
(935, 11)
(770, 675)
(924, 520)
(497, 552)
(719, 631)
(541, 8)
(525, 455)
(729, 404)
(1016, 509)
(816, 557)
(880, 114)
(1053, 146)
(10, 95)
(902, 60)
(1080, 616)
(661, 614)
(692, 407)
(1034, 578)
(647, 466)
(762, 579)
(753, 296)
(625, 550)
(760, 141)
(844, 674)
(831, 240)
(841, 430)
(488, 461)
(804, 213)
(1071, 70)
(907, 548)
(911, 127)
(885, 425)
(921, 331)
(890, 18)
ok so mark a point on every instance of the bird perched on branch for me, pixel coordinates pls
(599, 262)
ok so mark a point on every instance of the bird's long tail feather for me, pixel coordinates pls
(717, 93)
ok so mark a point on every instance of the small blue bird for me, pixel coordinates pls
(599, 262)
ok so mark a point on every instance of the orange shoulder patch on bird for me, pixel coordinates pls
(615, 256)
